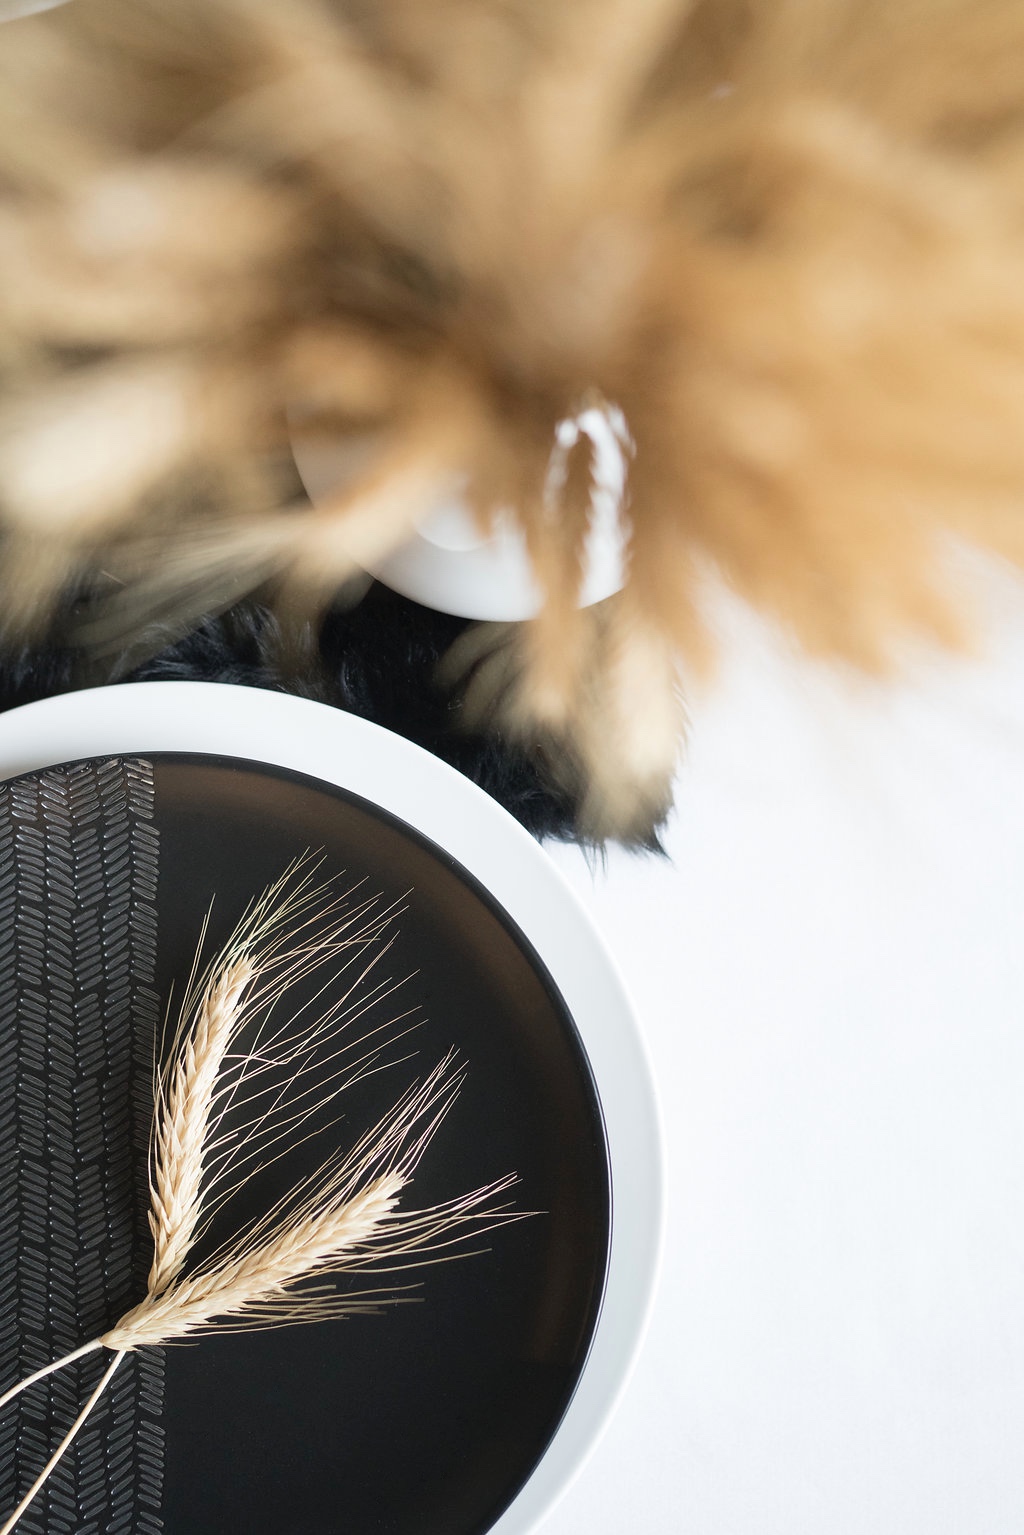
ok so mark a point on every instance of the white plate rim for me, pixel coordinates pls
(285, 731)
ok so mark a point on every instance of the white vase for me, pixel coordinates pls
(450, 565)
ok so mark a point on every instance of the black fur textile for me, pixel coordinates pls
(376, 659)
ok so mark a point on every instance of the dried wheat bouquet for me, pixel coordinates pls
(245, 1080)
(783, 237)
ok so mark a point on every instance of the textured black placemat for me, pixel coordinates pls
(78, 874)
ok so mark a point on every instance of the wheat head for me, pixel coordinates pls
(299, 1251)
(182, 1122)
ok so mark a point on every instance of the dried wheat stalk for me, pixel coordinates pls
(345, 1217)
(783, 237)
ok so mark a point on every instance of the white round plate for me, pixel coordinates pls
(338, 748)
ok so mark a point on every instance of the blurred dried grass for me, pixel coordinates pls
(784, 237)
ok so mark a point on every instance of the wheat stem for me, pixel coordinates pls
(68, 1437)
(48, 1369)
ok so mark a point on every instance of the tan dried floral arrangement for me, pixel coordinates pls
(783, 237)
(243, 1082)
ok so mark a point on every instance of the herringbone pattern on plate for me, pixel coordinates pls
(78, 1013)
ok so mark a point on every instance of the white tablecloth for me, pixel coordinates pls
(830, 976)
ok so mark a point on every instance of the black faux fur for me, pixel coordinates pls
(377, 659)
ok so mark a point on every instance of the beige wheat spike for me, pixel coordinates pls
(182, 1123)
(299, 1251)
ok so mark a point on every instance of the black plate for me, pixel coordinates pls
(427, 1419)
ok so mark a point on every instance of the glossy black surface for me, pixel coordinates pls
(427, 1419)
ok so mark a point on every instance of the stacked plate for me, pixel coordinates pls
(129, 810)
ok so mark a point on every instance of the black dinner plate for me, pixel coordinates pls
(428, 1418)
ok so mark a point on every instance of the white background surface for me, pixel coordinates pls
(830, 976)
